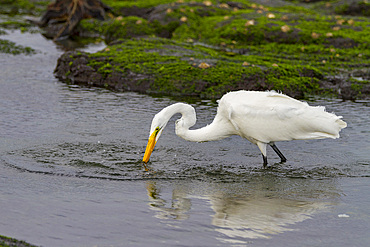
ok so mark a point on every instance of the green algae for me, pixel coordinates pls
(117, 5)
(360, 8)
(22, 7)
(174, 68)
(243, 28)
(121, 28)
(284, 45)
(15, 24)
(11, 242)
(246, 46)
(10, 47)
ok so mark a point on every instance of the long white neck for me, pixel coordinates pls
(220, 128)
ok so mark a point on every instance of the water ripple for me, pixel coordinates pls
(122, 161)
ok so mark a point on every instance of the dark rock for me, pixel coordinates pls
(74, 68)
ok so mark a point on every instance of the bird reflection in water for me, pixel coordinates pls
(260, 217)
(176, 209)
(251, 214)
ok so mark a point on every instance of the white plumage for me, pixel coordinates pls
(261, 117)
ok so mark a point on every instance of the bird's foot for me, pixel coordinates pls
(283, 160)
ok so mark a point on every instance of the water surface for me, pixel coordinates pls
(71, 171)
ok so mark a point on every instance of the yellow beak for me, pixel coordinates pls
(150, 146)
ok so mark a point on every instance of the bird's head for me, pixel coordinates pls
(161, 119)
(156, 129)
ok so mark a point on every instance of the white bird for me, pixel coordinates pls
(263, 118)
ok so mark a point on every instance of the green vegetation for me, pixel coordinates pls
(117, 5)
(13, 12)
(15, 24)
(177, 68)
(23, 7)
(11, 242)
(10, 47)
(292, 48)
(359, 8)
(114, 29)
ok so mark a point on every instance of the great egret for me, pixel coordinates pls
(263, 118)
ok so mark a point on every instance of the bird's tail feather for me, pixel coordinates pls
(328, 125)
(341, 123)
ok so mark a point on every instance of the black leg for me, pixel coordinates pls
(264, 161)
(274, 147)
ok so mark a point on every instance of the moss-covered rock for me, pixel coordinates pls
(22, 7)
(118, 28)
(298, 47)
(243, 45)
(155, 65)
(357, 8)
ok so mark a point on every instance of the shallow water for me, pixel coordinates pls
(71, 171)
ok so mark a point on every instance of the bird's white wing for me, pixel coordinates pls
(270, 116)
(283, 123)
(278, 123)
